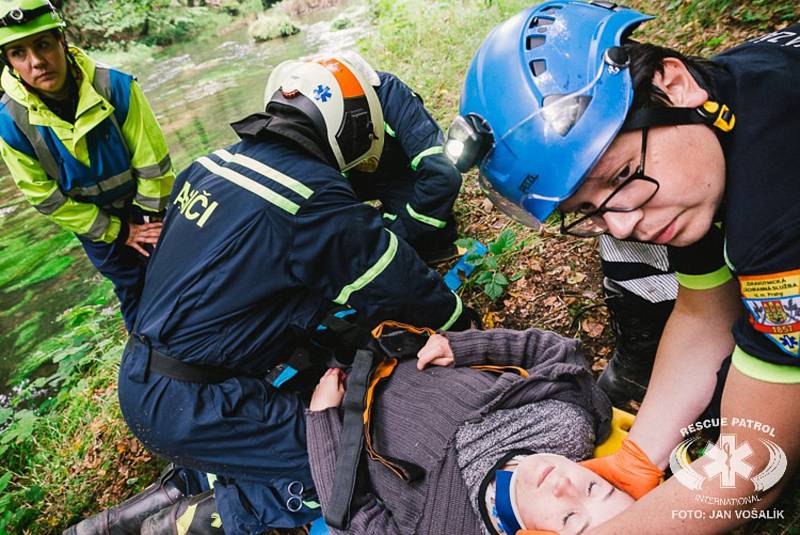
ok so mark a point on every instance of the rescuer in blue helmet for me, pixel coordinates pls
(562, 111)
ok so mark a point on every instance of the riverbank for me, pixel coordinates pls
(71, 454)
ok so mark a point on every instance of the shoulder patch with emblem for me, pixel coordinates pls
(773, 305)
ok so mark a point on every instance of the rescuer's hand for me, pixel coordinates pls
(144, 234)
(628, 469)
(436, 351)
(329, 392)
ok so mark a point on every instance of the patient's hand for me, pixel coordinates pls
(329, 392)
(436, 351)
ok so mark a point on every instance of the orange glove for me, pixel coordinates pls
(629, 469)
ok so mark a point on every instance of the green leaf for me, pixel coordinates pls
(34, 494)
(484, 277)
(504, 242)
(493, 290)
(5, 414)
(467, 243)
(516, 276)
(500, 279)
(4, 480)
(21, 428)
(475, 259)
(490, 262)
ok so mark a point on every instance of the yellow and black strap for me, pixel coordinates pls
(711, 113)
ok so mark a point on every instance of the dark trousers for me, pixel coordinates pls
(243, 430)
(120, 264)
(125, 268)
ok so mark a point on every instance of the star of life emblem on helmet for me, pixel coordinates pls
(322, 93)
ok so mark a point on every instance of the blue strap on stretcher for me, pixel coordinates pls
(286, 372)
(463, 269)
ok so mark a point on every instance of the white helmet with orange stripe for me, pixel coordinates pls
(336, 93)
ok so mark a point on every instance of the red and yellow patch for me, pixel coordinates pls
(773, 302)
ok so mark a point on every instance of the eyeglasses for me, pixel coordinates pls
(636, 191)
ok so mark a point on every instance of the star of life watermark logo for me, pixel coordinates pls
(728, 457)
(728, 464)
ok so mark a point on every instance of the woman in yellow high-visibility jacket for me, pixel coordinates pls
(83, 145)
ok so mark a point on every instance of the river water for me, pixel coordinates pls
(196, 89)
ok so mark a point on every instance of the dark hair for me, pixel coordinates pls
(647, 60)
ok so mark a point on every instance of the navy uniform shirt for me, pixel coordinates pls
(416, 182)
(759, 238)
(258, 239)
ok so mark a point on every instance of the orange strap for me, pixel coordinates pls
(383, 370)
(522, 372)
(377, 332)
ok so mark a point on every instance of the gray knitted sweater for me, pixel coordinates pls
(419, 413)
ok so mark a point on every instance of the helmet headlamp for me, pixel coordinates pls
(468, 140)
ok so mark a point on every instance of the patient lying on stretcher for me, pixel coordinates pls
(493, 421)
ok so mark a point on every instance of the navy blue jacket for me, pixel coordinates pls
(416, 183)
(259, 238)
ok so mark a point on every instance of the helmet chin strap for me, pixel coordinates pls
(711, 113)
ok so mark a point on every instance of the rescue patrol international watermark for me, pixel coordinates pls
(728, 467)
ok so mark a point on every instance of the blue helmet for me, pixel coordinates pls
(544, 96)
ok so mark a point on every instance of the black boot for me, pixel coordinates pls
(437, 247)
(433, 257)
(127, 517)
(637, 325)
(196, 515)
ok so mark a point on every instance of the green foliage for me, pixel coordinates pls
(36, 428)
(340, 23)
(271, 26)
(118, 24)
(27, 259)
(491, 268)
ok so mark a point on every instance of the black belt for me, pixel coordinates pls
(191, 373)
(167, 366)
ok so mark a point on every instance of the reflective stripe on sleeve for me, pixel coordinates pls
(427, 152)
(52, 203)
(456, 314)
(371, 273)
(390, 217)
(105, 185)
(761, 370)
(250, 185)
(432, 221)
(154, 204)
(389, 130)
(99, 226)
(706, 281)
(266, 171)
(154, 171)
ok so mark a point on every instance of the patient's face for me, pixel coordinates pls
(556, 494)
